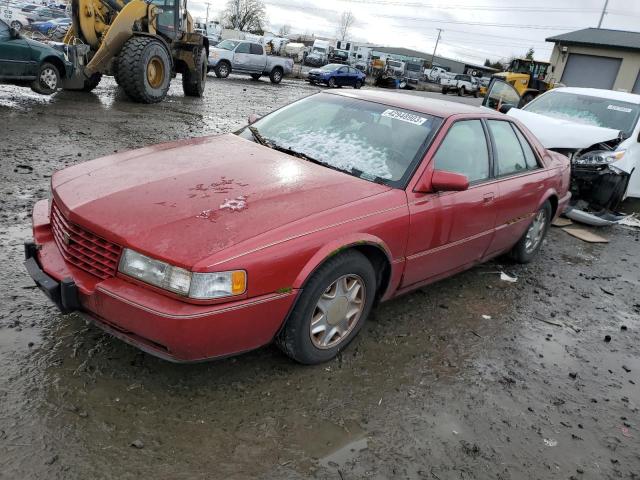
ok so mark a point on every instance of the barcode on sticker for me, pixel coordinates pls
(404, 116)
(619, 109)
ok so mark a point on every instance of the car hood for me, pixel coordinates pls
(42, 46)
(318, 71)
(185, 201)
(555, 133)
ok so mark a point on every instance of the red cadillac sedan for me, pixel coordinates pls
(293, 228)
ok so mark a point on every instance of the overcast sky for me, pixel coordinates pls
(472, 30)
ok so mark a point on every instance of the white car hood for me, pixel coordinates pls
(556, 133)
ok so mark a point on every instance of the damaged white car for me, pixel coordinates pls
(597, 129)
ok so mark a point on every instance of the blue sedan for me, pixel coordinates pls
(336, 75)
(45, 27)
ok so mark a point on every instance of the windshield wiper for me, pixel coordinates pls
(259, 138)
(308, 158)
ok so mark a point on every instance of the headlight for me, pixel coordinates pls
(201, 286)
(599, 157)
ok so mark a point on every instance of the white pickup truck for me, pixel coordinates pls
(461, 84)
(248, 58)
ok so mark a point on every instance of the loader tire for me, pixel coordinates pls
(144, 70)
(193, 82)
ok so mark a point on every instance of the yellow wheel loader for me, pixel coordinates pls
(527, 77)
(143, 44)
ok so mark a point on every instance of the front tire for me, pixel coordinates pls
(276, 75)
(193, 82)
(48, 79)
(444, 91)
(144, 70)
(331, 83)
(357, 85)
(222, 70)
(531, 241)
(16, 25)
(331, 309)
(462, 92)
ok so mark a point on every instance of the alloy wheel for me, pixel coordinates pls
(49, 78)
(536, 231)
(337, 311)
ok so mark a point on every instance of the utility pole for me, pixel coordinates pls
(604, 10)
(433, 57)
(207, 20)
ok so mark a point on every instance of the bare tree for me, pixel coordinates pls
(346, 22)
(246, 15)
(284, 30)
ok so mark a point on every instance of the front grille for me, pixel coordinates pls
(84, 249)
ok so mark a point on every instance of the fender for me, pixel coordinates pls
(336, 246)
(550, 192)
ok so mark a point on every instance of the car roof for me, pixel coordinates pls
(601, 93)
(430, 106)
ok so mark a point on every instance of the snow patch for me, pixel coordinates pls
(343, 151)
(234, 204)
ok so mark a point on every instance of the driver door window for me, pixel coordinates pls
(464, 150)
(499, 94)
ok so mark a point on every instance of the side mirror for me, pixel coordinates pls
(253, 118)
(13, 33)
(443, 181)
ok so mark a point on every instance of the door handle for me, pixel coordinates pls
(488, 197)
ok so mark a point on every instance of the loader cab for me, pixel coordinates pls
(532, 67)
(170, 19)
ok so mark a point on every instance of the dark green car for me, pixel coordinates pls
(28, 62)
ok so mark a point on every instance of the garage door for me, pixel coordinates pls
(590, 71)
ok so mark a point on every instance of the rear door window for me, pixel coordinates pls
(529, 156)
(464, 150)
(256, 49)
(509, 154)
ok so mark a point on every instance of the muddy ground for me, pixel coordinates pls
(470, 378)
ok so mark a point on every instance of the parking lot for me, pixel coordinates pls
(470, 378)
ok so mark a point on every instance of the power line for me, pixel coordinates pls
(431, 20)
(504, 8)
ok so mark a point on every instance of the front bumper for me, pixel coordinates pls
(155, 323)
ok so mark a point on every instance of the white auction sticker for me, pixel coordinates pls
(404, 116)
(619, 109)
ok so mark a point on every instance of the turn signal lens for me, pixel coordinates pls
(238, 282)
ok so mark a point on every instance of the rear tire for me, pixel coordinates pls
(144, 70)
(48, 79)
(194, 82)
(531, 241)
(276, 75)
(16, 25)
(444, 91)
(298, 340)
